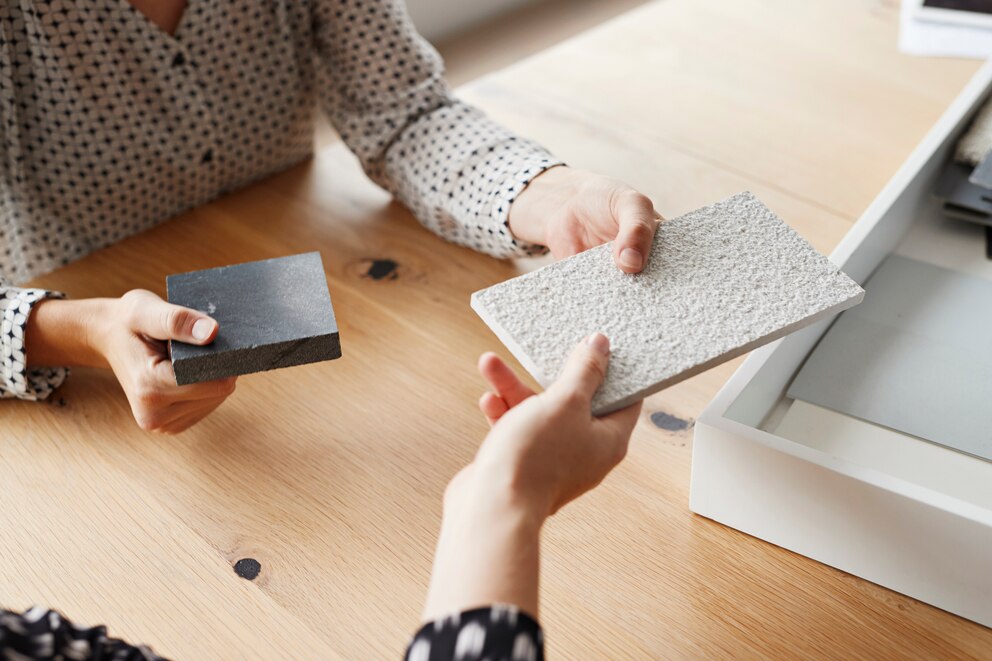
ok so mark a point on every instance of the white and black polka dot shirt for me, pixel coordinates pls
(495, 633)
(110, 125)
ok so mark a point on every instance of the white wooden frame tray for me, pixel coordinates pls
(893, 509)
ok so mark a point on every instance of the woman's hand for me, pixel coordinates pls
(547, 450)
(572, 210)
(542, 452)
(134, 344)
(129, 335)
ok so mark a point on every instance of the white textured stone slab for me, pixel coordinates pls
(720, 281)
(977, 142)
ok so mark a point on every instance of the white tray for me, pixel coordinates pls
(893, 509)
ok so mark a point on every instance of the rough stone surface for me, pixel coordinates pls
(720, 281)
(272, 313)
(977, 141)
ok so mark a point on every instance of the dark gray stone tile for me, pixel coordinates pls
(272, 313)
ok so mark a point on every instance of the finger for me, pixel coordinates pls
(217, 389)
(161, 368)
(166, 376)
(616, 429)
(503, 379)
(636, 224)
(184, 414)
(621, 423)
(566, 246)
(586, 368)
(155, 416)
(493, 407)
(185, 421)
(164, 321)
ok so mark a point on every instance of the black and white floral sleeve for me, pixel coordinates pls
(16, 379)
(495, 633)
(44, 634)
(382, 85)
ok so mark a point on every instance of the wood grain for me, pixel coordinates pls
(331, 475)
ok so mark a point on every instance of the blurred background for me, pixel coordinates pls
(478, 36)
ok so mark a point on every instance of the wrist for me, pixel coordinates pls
(67, 333)
(537, 202)
(99, 318)
(499, 491)
(488, 552)
(517, 513)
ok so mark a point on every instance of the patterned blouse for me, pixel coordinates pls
(110, 125)
(495, 633)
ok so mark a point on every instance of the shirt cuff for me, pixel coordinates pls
(16, 379)
(44, 634)
(501, 631)
(527, 168)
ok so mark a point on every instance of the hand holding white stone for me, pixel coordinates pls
(570, 211)
(548, 449)
(543, 451)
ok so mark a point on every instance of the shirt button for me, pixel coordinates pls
(179, 60)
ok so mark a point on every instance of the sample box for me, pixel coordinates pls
(908, 514)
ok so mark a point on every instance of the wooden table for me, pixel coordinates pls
(331, 475)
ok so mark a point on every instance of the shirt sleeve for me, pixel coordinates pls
(494, 632)
(382, 85)
(16, 379)
(45, 634)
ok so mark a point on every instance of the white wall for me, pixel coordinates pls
(439, 18)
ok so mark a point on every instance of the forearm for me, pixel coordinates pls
(64, 333)
(546, 195)
(457, 170)
(488, 553)
(463, 187)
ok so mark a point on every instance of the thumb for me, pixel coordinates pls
(586, 367)
(637, 222)
(165, 321)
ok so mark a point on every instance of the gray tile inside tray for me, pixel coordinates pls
(916, 357)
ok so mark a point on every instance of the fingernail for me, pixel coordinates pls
(202, 328)
(631, 258)
(599, 342)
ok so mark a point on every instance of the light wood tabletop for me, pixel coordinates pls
(331, 475)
